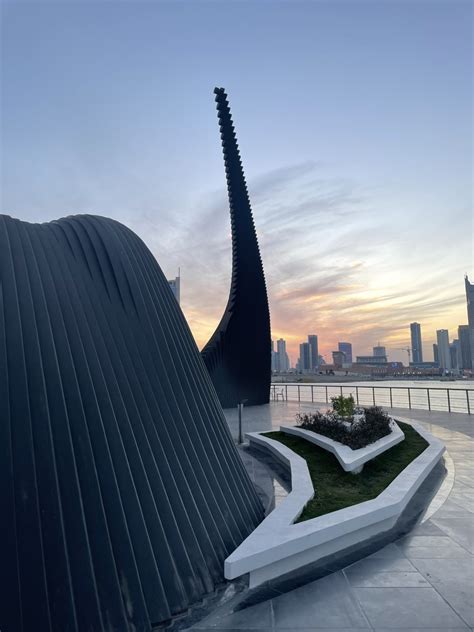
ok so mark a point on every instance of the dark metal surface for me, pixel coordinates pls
(121, 492)
(238, 356)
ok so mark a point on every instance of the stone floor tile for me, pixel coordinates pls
(327, 602)
(447, 571)
(459, 529)
(428, 546)
(395, 579)
(454, 580)
(411, 540)
(460, 600)
(464, 478)
(404, 608)
(452, 551)
(370, 565)
(451, 506)
(427, 528)
(256, 617)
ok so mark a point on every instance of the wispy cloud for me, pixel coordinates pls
(335, 263)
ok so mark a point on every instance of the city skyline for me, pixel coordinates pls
(358, 170)
(416, 345)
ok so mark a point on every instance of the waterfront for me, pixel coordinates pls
(411, 394)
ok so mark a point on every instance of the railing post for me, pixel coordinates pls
(327, 400)
(468, 403)
(286, 391)
(239, 408)
(298, 392)
(357, 395)
(312, 394)
(449, 401)
(341, 390)
(373, 394)
(429, 399)
(409, 398)
(391, 399)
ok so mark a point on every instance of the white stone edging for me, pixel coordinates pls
(302, 489)
(349, 459)
(278, 546)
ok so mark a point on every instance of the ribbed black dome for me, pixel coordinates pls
(121, 490)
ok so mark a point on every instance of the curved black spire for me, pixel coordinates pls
(238, 354)
(121, 492)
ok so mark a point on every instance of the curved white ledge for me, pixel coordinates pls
(278, 546)
(349, 459)
(302, 490)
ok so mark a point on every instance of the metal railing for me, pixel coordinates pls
(453, 400)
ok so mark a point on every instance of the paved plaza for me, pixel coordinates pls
(423, 581)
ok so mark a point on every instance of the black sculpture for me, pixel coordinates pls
(238, 356)
(121, 492)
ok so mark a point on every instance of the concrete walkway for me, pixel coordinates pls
(424, 581)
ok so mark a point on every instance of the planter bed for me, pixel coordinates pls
(336, 488)
(349, 459)
(280, 545)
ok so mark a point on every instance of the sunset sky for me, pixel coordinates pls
(354, 124)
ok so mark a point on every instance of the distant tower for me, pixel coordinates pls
(379, 351)
(416, 347)
(274, 357)
(444, 355)
(346, 349)
(175, 287)
(283, 360)
(470, 314)
(313, 351)
(238, 356)
(465, 346)
(435, 353)
(338, 359)
(305, 357)
(455, 353)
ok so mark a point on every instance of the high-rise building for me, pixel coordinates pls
(435, 353)
(313, 351)
(416, 347)
(444, 355)
(338, 359)
(379, 351)
(305, 357)
(283, 362)
(465, 346)
(346, 348)
(175, 286)
(455, 353)
(274, 357)
(470, 314)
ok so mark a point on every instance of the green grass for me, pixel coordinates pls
(336, 489)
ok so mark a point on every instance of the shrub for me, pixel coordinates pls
(344, 406)
(373, 426)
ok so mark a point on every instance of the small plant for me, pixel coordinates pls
(343, 406)
(374, 425)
